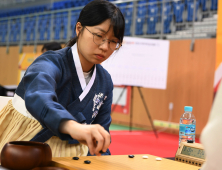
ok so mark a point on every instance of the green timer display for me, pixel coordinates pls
(194, 152)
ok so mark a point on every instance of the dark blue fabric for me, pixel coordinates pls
(44, 135)
(51, 89)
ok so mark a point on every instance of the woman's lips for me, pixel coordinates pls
(99, 56)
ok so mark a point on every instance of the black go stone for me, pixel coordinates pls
(131, 156)
(75, 158)
(87, 162)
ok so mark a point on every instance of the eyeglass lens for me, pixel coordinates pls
(99, 40)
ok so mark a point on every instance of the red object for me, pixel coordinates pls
(144, 142)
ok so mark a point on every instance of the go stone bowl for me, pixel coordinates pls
(25, 155)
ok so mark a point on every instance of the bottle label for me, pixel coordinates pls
(188, 130)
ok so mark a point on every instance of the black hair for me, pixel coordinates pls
(97, 11)
(51, 46)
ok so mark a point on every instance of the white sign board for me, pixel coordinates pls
(140, 62)
(116, 96)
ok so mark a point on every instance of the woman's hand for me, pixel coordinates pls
(94, 136)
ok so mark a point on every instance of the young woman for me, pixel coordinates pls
(65, 96)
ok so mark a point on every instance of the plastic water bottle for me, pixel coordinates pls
(187, 126)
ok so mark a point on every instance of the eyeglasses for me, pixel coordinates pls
(101, 39)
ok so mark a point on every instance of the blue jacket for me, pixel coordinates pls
(51, 90)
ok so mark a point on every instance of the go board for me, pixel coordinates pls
(120, 162)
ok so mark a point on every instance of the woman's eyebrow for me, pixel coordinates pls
(101, 29)
(105, 32)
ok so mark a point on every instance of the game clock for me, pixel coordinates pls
(191, 153)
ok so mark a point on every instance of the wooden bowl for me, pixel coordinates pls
(49, 168)
(25, 155)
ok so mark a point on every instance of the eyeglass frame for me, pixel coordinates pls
(94, 34)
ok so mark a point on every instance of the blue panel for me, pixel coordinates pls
(26, 23)
(142, 2)
(4, 30)
(61, 5)
(42, 8)
(72, 3)
(18, 29)
(13, 31)
(190, 10)
(139, 26)
(167, 9)
(48, 23)
(74, 18)
(65, 24)
(129, 12)
(141, 11)
(83, 3)
(213, 5)
(203, 5)
(57, 25)
(77, 3)
(42, 27)
(55, 6)
(166, 26)
(30, 29)
(152, 11)
(151, 25)
(1, 30)
(68, 4)
(123, 9)
(32, 10)
(128, 22)
(33, 22)
(167, 18)
(28, 34)
(178, 11)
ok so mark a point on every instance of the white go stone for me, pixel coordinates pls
(158, 159)
(145, 157)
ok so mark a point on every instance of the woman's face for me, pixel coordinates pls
(89, 52)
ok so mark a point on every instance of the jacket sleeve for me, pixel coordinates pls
(104, 116)
(40, 83)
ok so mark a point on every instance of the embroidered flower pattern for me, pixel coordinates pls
(97, 103)
(95, 114)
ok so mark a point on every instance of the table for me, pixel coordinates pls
(120, 162)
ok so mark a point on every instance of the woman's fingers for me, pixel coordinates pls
(103, 139)
(99, 141)
(90, 145)
(94, 136)
(106, 136)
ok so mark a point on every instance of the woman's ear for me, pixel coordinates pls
(78, 28)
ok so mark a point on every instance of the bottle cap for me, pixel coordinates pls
(188, 109)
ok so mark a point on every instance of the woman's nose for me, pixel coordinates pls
(105, 45)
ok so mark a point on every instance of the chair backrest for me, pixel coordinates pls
(3, 101)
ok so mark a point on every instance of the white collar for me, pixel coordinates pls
(80, 74)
